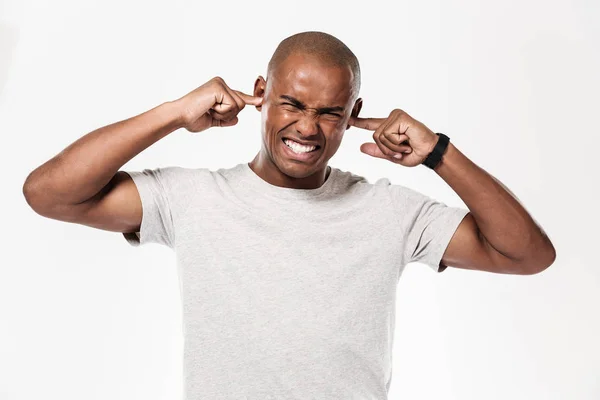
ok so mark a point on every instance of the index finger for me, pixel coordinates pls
(250, 100)
(370, 124)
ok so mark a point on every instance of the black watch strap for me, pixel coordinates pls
(436, 154)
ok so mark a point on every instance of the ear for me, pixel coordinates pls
(355, 109)
(259, 89)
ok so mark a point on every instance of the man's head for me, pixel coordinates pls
(312, 87)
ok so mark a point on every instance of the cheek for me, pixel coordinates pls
(333, 129)
(336, 138)
(275, 119)
(333, 124)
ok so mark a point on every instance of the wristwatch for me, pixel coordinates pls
(438, 151)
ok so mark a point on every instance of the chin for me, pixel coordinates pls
(298, 170)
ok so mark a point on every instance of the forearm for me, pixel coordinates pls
(85, 167)
(500, 217)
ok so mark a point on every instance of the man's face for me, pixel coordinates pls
(309, 102)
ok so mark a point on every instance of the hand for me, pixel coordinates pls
(398, 135)
(213, 104)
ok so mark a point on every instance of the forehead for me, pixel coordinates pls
(311, 81)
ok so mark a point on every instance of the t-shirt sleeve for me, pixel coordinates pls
(430, 225)
(157, 220)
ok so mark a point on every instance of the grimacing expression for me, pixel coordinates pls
(308, 101)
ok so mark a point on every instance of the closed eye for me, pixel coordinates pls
(300, 108)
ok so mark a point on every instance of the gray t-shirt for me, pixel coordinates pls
(289, 293)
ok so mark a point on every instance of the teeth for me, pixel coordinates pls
(297, 147)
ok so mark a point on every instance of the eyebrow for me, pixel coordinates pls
(302, 106)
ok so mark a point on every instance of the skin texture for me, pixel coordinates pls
(311, 89)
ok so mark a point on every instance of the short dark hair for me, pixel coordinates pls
(323, 46)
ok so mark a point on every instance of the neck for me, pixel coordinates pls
(266, 169)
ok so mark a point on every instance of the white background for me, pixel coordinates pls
(514, 84)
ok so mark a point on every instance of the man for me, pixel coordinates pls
(288, 267)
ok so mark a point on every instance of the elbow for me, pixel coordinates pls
(31, 194)
(44, 201)
(542, 260)
(35, 198)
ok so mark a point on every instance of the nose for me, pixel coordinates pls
(307, 125)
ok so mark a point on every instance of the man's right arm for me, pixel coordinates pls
(83, 184)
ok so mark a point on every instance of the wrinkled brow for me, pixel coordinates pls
(297, 103)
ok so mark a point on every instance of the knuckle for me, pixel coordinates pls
(396, 113)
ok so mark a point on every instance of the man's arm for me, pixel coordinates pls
(83, 184)
(498, 235)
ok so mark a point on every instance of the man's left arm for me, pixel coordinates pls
(498, 234)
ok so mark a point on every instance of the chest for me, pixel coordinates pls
(276, 264)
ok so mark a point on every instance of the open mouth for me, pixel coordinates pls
(296, 151)
(299, 148)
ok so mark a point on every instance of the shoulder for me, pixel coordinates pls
(171, 178)
(169, 172)
(348, 178)
(381, 186)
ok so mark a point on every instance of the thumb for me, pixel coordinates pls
(222, 123)
(372, 149)
(233, 121)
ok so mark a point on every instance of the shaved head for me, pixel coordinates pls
(325, 48)
(308, 98)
